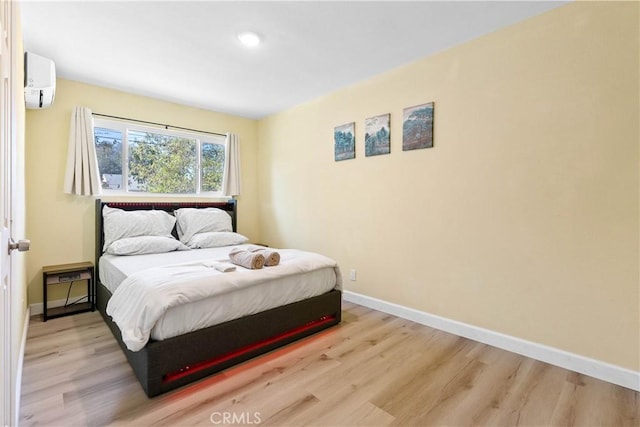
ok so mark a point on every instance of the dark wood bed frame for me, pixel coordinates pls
(168, 364)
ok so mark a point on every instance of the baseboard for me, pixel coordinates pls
(554, 356)
(18, 388)
(38, 308)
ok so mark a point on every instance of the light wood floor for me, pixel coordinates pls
(372, 370)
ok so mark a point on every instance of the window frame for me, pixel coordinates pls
(124, 126)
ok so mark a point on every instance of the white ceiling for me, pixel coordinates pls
(187, 52)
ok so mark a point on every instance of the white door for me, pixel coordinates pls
(7, 181)
(5, 226)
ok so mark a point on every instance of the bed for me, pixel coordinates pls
(175, 356)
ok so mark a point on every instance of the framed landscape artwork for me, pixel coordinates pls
(417, 127)
(344, 138)
(377, 136)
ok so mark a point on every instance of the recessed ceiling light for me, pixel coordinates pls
(249, 39)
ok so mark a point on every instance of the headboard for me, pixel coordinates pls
(229, 206)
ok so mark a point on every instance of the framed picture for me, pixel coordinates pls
(417, 127)
(344, 138)
(377, 136)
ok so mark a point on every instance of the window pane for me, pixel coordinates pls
(212, 166)
(161, 163)
(157, 161)
(109, 153)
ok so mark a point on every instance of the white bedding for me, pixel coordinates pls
(165, 295)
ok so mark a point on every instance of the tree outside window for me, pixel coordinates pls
(158, 162)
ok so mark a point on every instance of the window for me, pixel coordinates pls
(139, 159)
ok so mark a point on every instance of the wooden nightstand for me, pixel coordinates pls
(68, 273)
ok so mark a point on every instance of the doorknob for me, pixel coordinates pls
(21, 246)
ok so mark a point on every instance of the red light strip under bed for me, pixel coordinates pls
(188, 370)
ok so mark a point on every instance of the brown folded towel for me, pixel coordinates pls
(271, 256)
(250, 260)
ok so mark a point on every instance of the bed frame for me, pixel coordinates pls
(168, 364)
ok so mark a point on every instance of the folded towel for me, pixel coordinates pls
(271, 256)
(224, 267)
(251, 260)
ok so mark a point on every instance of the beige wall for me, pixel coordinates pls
(61, 226)
(522, 219)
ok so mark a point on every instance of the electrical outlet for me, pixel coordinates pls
(352, 275)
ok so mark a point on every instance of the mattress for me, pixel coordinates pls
(207, 312)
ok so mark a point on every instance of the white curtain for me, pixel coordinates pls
(231, 176)
(82, 176)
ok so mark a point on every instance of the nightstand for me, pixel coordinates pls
(68, 273)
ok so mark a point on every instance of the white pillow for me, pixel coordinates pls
(192, 221)
(215, 239)
(145, 245)
(120, 224)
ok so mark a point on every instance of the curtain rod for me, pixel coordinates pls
(158, 124)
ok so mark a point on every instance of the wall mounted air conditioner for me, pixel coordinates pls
(39, 81)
